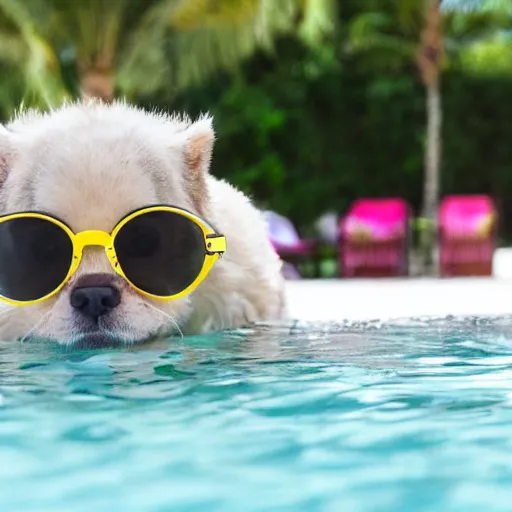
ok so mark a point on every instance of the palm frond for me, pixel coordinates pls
(202, 52)
(192, 14)
(374, 37)
(40, 65)
(221, 37)
(318, 21)
(92, 27)
(201, 37)
(491, 56)
(145, 62)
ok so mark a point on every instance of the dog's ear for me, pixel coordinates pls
(6, 154)
(199, 139)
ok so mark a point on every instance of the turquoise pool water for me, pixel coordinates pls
(410, 416)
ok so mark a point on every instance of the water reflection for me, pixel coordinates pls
(411, 347)
(322, 417)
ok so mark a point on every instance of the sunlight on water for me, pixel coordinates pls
(408, 416)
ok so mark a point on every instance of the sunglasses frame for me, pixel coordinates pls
(215, 246)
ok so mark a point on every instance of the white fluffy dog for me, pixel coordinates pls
(89, 164)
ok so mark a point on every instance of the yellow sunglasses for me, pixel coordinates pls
(163, 252)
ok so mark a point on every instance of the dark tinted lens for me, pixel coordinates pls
(161, 252)
(35, 257)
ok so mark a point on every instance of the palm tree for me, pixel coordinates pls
(142, 45)
(429, 59)
(426, 32)
(228, 31)
(92, 33)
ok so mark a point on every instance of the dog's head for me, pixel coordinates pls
(90, 164)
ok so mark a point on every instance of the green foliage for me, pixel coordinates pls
(497, 49)
(305, 133)
(327, 105)
(33, 65)
(144, 46)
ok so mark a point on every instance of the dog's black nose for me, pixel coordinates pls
(95, 301)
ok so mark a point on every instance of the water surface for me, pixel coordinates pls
(406, 416)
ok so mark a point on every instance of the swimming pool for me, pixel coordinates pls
(405, 416)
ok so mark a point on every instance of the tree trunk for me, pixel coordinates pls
(432, 175)
(429, 63)
(97, 82)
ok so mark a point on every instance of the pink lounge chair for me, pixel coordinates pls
(467, 235)
(287, 242)
(374, 238)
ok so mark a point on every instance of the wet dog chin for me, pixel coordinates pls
(96, 339)
(100, 339)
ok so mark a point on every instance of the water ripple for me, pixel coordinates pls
(412, 415)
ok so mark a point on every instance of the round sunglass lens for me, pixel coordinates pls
(35, 258)
(160, 252)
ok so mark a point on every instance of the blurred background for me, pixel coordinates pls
(317, 103)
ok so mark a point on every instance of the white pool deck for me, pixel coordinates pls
(367, 299)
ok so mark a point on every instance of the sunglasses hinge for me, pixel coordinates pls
(215, 244)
